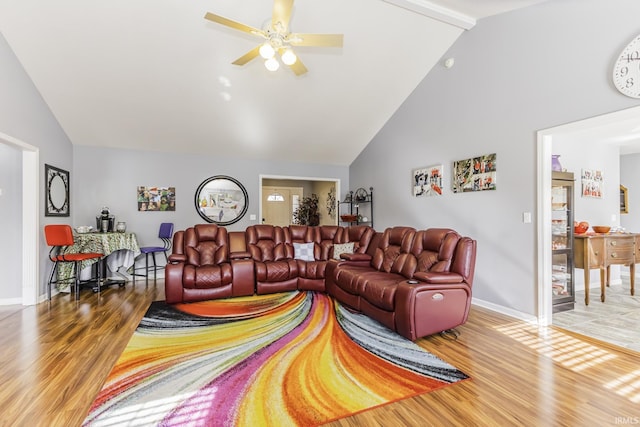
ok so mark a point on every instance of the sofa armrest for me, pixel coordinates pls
(438, 278)
(173, 282)
(426, 308)
(177, 258)
(356, 257)
(333, 264)
(239, 255)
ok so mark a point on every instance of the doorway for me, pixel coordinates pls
(280, 195)
(610, 127)
(30, 225)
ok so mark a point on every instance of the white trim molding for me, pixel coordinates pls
(505, 310)
(431, 10)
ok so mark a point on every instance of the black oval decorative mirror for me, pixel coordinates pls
(56, 198)
(221, 200)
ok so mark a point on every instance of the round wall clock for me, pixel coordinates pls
(626, 71)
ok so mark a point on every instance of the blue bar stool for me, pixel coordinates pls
(165, 234)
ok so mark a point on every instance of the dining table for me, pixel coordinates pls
(119, 249)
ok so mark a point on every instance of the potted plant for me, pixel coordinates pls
(307, 212)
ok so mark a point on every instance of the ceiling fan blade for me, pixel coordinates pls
(281, 13)
(247, 56)
(233, 24)
(298, 67)
(326, 40)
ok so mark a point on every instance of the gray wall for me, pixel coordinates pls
(109, 177)
(24, 115)
(514, 74)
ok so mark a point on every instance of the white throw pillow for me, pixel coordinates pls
(303, 251)
(342, 248)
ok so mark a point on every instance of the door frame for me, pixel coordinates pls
(262, 177)
(30, 217)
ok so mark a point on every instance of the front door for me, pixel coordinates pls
(278, 204)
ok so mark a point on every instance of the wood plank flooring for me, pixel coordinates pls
(54, 358)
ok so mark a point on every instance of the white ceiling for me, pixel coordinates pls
(154, 74)
(620, 129)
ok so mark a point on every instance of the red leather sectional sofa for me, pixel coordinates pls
(415, 282)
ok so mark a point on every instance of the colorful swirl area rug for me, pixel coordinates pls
(288, 359)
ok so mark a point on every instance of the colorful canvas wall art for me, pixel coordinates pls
(151, 199)
(427, 181)
(592, 183)
(475, 174)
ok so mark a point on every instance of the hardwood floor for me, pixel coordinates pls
(54, 358)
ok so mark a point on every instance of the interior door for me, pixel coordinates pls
(278, 204)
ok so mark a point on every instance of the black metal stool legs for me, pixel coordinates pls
(51, 282)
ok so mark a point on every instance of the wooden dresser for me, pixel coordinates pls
(602, 251)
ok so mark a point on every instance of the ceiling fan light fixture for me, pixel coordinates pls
(277, 41)
(288, 57)
(272, 64)
(267, 51)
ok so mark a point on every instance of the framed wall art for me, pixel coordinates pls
(152, 199)
(56, 195)
(592, 181)
(475, 174)
(427, 181)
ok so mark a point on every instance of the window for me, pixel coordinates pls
(295, 204)
(275, 197)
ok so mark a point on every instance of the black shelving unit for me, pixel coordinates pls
(358, 203)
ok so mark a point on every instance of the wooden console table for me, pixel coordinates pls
(602, 251)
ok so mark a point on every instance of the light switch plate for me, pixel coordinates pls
(526, 217)
(252, 217)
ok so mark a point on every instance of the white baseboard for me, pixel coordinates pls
(11, 301)
(505, 310)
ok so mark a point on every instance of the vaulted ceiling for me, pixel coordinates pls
(154, 74)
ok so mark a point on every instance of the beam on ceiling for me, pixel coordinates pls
(426, 8)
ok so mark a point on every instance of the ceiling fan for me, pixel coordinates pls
(278, 39)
